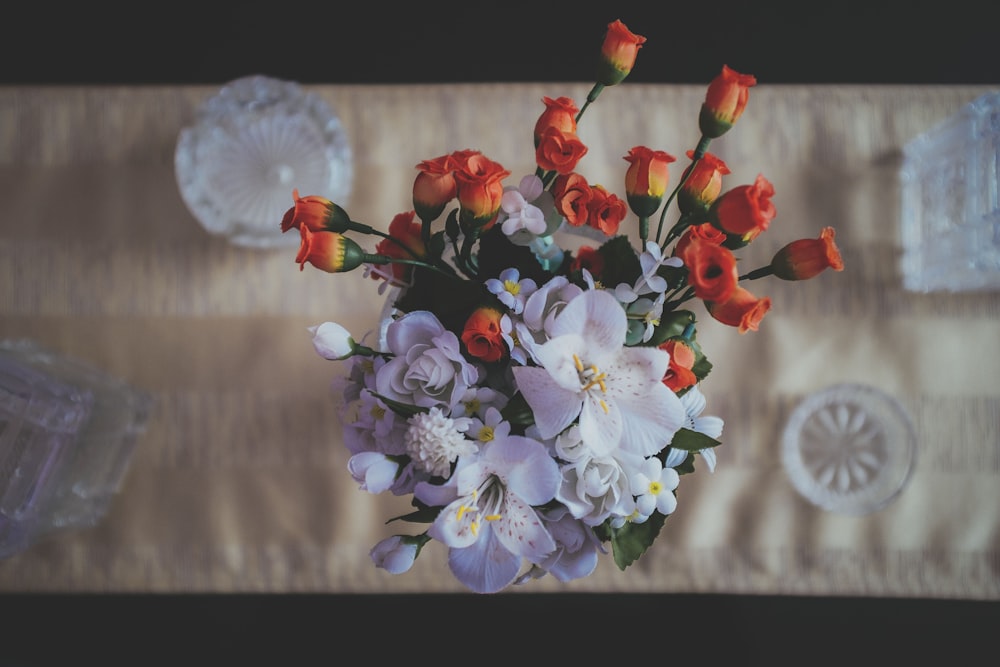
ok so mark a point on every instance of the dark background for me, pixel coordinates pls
(366, 41)
(944, 42)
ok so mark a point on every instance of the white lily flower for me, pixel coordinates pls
(587, 373)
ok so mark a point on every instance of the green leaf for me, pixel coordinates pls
(687, 467)
(518, 412)
(630, 541)
(672, 325)
(404, 410)
(621, 264)
(423, 515)
(692, 441)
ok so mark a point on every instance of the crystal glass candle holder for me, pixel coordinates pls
(849, 448)
(67, 433)
(250, 145)
(950, 183)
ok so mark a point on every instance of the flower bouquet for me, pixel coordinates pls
(538, 402)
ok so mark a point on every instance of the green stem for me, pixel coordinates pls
(758, 273)
(643, 229)
(699, 152)
(385, 259)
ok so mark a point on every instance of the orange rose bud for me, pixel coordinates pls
(572, 194)
(679, 374)
(605, 211)
(434, 186)
(559, 113)
(559, 151)
(711, 270)
(724, 102)
(618, 53)
(746, 210)
(329, 251)
(315, 212)
(742, 310)
(483, 336)
(805, 258)
(646, 179)
(480, 188)
(704, 184)
(406, 231)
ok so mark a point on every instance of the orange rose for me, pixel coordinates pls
(618, 54)
(559, 151)
(605, 211)
(646, 179)
(329, 251)
(480, 188)
(434, 186)
(725, 101)
(559, 113)
(704, 184)
(315, 212)
(805, 258)
(679, 375)
(746, 210)
(742, 309)
(482, 334)
(588, 258)
(706, 231)
(406, 232)
(572, 194)
(711, 270)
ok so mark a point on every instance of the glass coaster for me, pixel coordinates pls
(251, 144)
(849, 448)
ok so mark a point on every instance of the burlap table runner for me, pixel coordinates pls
(239, 484)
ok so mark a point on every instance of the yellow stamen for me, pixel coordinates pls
(474, 527)
(604, 406)
(486, 433)
(579, 364)
(492, 517)
(655, 488)
(512, 287)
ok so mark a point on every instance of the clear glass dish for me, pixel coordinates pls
(849, 448)
(250, 145)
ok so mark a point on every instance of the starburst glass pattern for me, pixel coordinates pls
(251, 144)
(849, 448)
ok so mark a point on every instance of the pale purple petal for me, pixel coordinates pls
(485, 566)
(554, 407)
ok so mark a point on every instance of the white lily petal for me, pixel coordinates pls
(554, 407)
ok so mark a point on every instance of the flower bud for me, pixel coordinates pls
(805, 258)
(559, 113)
(332, 341)
(703, 186)
(395, 554)
(434, 187)
(725, 101)
(646, 179)
(329, 251)
(480, 190)
(315, 212)
(618, 53)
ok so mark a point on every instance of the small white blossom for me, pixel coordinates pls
(653, 486)
(511, 290)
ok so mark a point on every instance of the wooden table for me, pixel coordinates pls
(240, 485)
